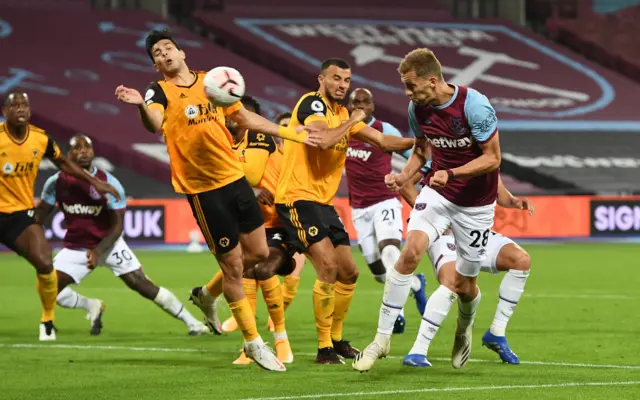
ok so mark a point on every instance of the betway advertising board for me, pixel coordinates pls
(533, 83)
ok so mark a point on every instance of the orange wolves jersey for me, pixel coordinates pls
(20, 162)
(198, 143)
(253, 163)
(311, 173)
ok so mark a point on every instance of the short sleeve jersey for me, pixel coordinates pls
(198, 143)
(310, 173)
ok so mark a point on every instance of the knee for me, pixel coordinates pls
(409, 260)
(521, 261)
(349, 274)
(258, 255)
(464, 287)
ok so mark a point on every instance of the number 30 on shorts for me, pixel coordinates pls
(476, 235)
(122, 256)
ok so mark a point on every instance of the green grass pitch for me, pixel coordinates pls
(576, 330)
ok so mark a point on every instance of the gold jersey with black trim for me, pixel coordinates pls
(261, 161)
(198, 142)
(20, 161)
(309, 173)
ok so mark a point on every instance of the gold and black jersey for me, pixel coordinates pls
(20, 161)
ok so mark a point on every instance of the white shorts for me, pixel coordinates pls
(376, 223)
(443, 251)
(119, 259)
(471, 227)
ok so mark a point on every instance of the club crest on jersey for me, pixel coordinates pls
(93, 193)
(451, 246)
(191, 111)
(421, 206)
(35, 153)
(458, 126)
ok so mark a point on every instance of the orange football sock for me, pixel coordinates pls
(243, 315)
(323, 308)
(47, 285)
(344, 294)
(272, 293)
(215, 285)
(289, 289)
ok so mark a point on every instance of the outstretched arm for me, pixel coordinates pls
(384, 142)
(252, 121)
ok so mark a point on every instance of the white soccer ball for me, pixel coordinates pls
(224, 86)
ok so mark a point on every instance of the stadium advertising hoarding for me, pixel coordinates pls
(533, 83)
(615, 217)
(171, 221)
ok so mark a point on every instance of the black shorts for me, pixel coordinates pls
(277, 238)
(308, 222)
(224, 213)
(13, 224)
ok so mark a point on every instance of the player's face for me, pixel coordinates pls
(284, 122)
(17, 111)
(336, 82)
(363, 100)
(420, 90)
(166, 57)
(82, 153)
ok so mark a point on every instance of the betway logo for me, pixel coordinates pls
(569, 161)
(82, 209)
(444, 142)
(361, 154)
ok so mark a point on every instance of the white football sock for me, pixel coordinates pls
(467, 313)
(436, 311)
(170, 303)
(511, 290)
(396, 292)
(69, 298)
(389, 257)
(282, 335)
(380, 278)
(415, 284)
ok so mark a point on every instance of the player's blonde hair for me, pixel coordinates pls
(423, 62)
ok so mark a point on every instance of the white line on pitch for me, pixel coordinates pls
(192, 350)
(453, 389)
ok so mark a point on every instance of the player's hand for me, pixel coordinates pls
(105, 188)
(265, 197)
(92, 259)
(439, 179)
(358, 115)
(523, 204)
(314, 138)
(395, 181)
(128, 95)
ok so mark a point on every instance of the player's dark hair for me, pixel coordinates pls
(281, 116)
(154, 37)
(247, 100)
(338, 62)
(9, 97)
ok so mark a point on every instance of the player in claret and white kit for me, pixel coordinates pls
(458, 126)
(376, 211)
(503, 255)
(94, 237)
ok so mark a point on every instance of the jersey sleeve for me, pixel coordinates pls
(312, 108)
(413, 121)
(113, 203)
(481, 116)
(357, 128)
(52, 150)
(49, 190)
(232, 108)
(391, 130)
(155, 98)
(260, 141)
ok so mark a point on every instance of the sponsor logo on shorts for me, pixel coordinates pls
(313, 231)
(420, 206)
(224, 242)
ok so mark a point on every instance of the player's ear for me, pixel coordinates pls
(320, 79)
(183, 55)
(156, 66)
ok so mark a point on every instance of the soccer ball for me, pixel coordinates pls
(224, 86)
